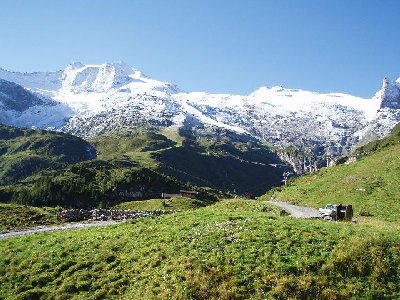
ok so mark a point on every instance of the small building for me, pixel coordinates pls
(169, 196)
(182, 193)
(189, 194)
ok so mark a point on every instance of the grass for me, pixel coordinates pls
(14, 217)
(175, 203)
(234, 249)
(172, 133)
(136, 146)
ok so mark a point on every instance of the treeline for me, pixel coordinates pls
(87, 186)
(82, 187)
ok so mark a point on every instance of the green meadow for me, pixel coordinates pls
(234, 249)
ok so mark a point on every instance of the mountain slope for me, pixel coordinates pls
(89, 185)
(15, 97)
(24, 152)
(390, 94)
(132, 165)
(226, 161)
(98, 99)
(370, 184)
(24, 108)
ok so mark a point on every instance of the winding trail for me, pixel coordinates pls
(297, 211)
(41, 229)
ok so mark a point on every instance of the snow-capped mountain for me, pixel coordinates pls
(87, 100)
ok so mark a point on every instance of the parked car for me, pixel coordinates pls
(329, 212)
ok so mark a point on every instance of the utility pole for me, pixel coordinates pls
(285, 176)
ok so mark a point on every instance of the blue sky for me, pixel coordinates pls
(219, 46)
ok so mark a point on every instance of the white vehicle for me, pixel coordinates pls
(329, 212)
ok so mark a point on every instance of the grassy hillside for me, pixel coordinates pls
(127, 170)
(235, 249)
(176, 203)
(24, 152)
(370, 184)
(221, 171)
(221, 160)
(133, 146)
(43, 168)
(13, 217)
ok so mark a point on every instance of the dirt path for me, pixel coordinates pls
(40, 229)
(297, 211)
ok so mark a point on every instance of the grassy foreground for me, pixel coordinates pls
(234, 249)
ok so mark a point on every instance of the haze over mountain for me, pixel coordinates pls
(88, 100)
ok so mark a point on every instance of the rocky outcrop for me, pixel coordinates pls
(389, 95)
(78, 215)
(303, 163)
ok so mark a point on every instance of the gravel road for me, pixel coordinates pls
(40, 229)
(297, 211)
(294, 210)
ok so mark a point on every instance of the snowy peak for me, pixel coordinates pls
(96, 78)
(389, 95)
(79, 78)
(110, 78)
(268, 91)
(75, 65)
